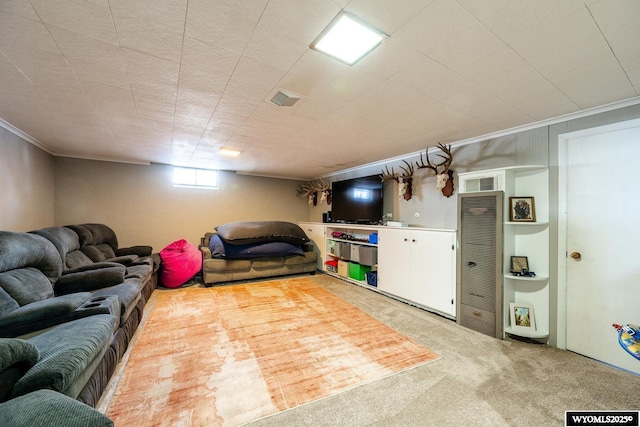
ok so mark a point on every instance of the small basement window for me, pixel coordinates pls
(200, 178)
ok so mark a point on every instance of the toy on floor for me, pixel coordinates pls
(629, 338)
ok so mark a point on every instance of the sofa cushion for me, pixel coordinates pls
(220, 249)
(242, 233)
(25, 285)
(67, 243)
(48, 408)
(69, 354)
(224, 266)
(19, 250)
(308, 257)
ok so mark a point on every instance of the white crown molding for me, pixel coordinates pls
(103, 159)
(548, 122)
(14, 130)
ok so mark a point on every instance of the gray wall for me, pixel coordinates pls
(141, 204)
(26, 184)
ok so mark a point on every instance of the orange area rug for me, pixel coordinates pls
(228, 355)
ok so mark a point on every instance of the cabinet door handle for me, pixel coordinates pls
(413, 240)
(406, 240)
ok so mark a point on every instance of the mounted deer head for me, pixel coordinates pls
(324, 188)
(444, 176)
(308, 190)
(405, 185)
(312, 189)
(404, 180)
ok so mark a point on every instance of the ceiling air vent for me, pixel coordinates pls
(283, 99)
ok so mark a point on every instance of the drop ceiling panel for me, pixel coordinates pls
(89, 18)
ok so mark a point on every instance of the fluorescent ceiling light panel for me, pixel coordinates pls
(348, 38)
(229, 152)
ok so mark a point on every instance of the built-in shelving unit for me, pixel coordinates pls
(530, 239)
(412, 264)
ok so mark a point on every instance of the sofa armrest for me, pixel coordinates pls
(90, 280)
(206, 252)
(16, 358)
(139, 250)
(41, 315)
(50, 408)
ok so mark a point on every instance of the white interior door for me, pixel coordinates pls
(603, 242)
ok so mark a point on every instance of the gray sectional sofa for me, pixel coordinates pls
(255, 249)
(70, 302)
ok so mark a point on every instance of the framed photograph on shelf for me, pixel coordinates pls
(522, 317)
(522, 209)
(519, 264)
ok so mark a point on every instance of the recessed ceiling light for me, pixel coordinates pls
(348, 38)
(229, 152)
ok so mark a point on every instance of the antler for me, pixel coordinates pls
(447, 159)
(408, 171)
(322, 185)
(446, 162)
(386, 175)
(306, 189)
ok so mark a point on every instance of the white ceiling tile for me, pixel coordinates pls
(225, 23)
(575, 57)
(12, 81)
(295, 20)
(91, 18)
(421, 73)
(388, 59)
(484, 9)
(435, 25)
(151, 39)
(19, 8)
(611, 14)
(91, 72)
(80, 47)
(496, 64)
(472, 45)
(385, 14)
(594, 81)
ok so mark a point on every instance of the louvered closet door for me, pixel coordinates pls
(480, 262)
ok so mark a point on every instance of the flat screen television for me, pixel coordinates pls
(357, 200)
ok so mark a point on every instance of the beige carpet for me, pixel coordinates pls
(232, 354)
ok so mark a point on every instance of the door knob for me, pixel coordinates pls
(576, 255)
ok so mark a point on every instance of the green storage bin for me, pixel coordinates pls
(358, 271)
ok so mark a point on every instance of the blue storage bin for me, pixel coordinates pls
(372, 278)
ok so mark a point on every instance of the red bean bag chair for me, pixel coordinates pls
(180, 262)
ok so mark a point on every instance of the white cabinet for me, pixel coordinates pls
(419, 266)
(316, 232)
(416, 265)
